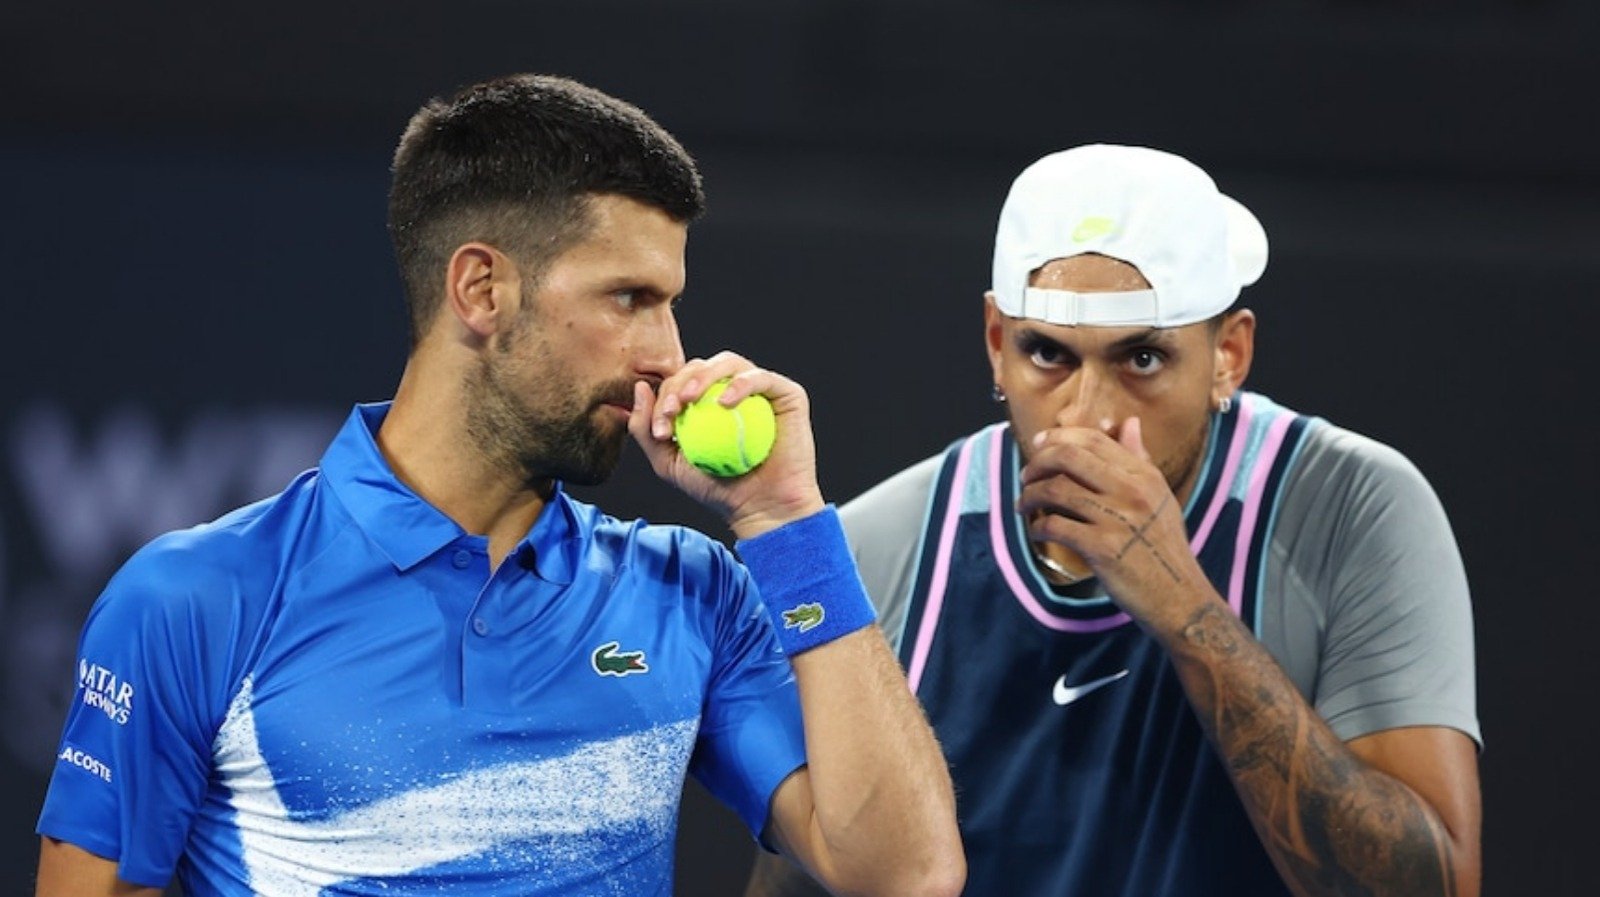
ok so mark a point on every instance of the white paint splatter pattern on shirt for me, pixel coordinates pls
(632, 782)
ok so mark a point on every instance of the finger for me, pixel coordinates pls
(1074, 452)
(675, 393)
(1132, 438)
(1097, 439)
(725, 365)
(642, 420)
(1062, 530)
(1058, 496)
(752, 381)
(691, 381)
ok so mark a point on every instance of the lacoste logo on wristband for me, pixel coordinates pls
(804, 617)
(607, 661)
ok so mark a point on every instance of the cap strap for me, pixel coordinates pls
(1069, 309)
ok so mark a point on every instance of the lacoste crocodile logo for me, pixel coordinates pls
(804, 617)
(607, 661)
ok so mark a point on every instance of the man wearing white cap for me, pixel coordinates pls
(1175, 638)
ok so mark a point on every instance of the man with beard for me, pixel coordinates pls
(1175, 639)
(425, 668)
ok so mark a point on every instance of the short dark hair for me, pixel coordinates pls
(513, 162)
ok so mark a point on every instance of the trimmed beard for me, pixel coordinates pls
(552, 435)
(1184, 465)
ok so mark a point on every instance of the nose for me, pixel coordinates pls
(658, 348)
(1089, 398)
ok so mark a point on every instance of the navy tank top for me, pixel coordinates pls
(1080, 767)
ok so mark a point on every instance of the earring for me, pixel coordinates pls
(998, 394)
(1225, 405)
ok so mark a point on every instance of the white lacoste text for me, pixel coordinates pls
(85, 762)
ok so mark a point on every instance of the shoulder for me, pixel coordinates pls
(889, 515)
(198, 569)
(1374, 589)
(898, 503)
(613, 544)
(904, 492)
(1354, 506)
(1355, 472)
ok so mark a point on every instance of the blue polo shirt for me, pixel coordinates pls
(328, 692)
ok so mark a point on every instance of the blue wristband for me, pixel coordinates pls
(808, 581)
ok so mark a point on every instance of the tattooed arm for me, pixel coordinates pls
(1396, 812)
(1393, 812)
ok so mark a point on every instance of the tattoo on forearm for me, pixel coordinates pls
(1335, 826)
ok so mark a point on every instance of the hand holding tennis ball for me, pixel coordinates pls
(725, 442)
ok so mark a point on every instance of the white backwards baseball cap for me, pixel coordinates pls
(1156, 211)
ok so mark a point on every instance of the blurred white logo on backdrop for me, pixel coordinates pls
(92, 495)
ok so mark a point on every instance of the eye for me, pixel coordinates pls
(626, 298)
(1043, 352)
(1145, 362)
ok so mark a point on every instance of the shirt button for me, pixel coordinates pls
(480, 626)
(462, 559)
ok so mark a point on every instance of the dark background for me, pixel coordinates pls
(196, 282)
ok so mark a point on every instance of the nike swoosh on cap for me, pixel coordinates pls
(1065, 694)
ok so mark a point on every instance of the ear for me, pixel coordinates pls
(1235, 350)
(482, 288)
(994, 336)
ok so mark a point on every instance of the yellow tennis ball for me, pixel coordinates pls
(725, 442)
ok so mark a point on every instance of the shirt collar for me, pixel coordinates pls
(409, 530)
(556, 539)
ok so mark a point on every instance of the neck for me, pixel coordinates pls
(424, 439)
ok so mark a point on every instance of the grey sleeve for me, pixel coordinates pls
(884, 526)
(1369, 564)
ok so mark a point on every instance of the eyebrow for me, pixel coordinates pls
(1158, 335)
(1145, 338)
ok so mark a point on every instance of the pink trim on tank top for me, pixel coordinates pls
(1008, 568)
(1252, 508)
(939, 582)
(941, 570)
(1219, 496)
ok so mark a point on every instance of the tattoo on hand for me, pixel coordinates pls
(1137, 536)
(1138, 531)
